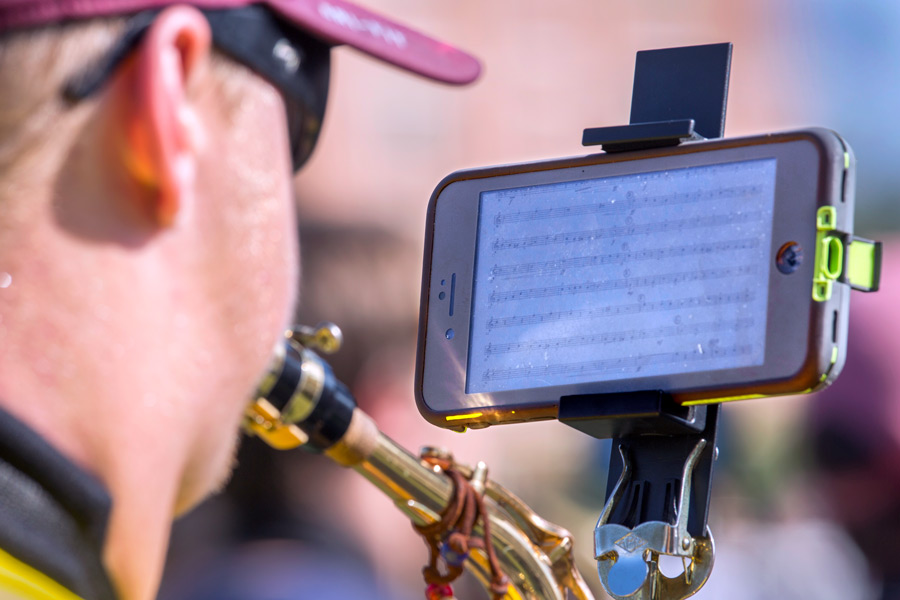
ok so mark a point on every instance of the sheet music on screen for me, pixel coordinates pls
(622, 277)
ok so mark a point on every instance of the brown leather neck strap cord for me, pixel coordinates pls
(452, 538)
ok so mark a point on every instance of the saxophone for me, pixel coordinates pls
(300, 402)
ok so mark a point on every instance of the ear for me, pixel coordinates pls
(159, 127)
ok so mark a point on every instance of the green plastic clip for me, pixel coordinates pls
(829, 263)
(844, 258)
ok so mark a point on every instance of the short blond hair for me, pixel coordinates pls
(35, 67)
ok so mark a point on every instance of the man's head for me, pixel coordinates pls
(147, 226)
(161, 222)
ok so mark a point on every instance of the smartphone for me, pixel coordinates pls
(709, 271)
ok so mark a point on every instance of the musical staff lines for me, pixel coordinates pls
(615, 310)
(628, 204)
(591, 287)
(630, 276)
(618, 231)
(622, 364)
(559, 266)
(613, 337)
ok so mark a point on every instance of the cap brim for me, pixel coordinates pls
(340, 22)
(334, 21)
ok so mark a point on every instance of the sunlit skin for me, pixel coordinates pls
(151, 276)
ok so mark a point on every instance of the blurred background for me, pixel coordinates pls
(807, 490)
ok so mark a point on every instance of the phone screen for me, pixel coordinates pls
(622, 277)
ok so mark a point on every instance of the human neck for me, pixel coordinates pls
(138, 534)
(143, 498)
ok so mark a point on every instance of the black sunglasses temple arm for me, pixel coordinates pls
(89, 83)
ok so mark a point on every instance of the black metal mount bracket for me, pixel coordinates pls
(679, 94)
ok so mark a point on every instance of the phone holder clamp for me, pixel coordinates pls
(632, 554)
(659, 502)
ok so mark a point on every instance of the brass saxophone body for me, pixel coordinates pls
(301, 403)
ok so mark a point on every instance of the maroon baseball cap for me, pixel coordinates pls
(334, 21)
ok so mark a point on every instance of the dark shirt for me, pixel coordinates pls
(53, 515)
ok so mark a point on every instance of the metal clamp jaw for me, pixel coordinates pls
(628, 559)
(659, 499)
